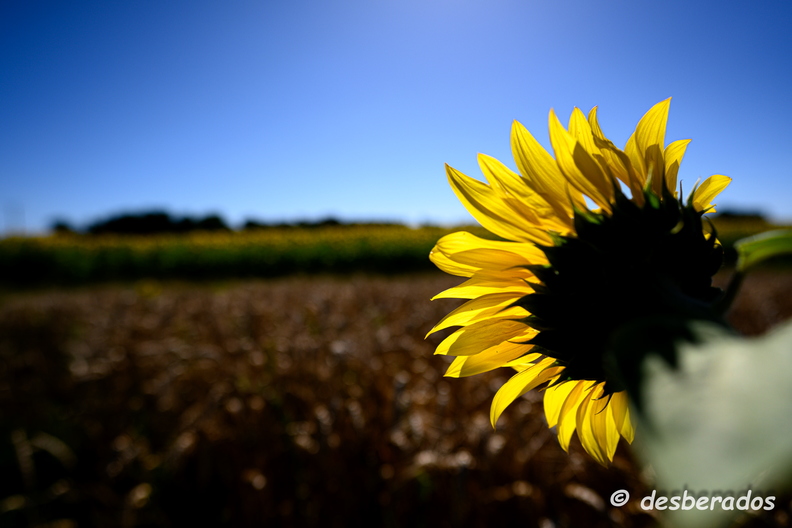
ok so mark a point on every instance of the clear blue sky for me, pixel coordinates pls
(283, 110)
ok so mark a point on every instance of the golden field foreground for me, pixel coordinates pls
(300, 401)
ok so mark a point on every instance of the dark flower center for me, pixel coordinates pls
(648, 263)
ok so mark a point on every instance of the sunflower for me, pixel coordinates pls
(593, 242)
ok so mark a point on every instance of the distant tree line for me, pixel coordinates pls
(160, 222)
(741, 216)
(305, 224)
(147, 223)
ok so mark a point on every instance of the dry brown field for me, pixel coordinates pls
(300, 401)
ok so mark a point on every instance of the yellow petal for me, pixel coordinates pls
(521, 363)
(494, 305)
(612, 434)
(620, 410)
(673, 155)
(528, 202)
(650, 141)
(637, 160)
(580, 129)
(480, 336)
(627, 430)
(707, 191)
(482, 284)
(467, 255)
(585, 430)
(492, 212)
(567, 416)
(541, 172)
(521, 383)
(594, 124)
(573, 160)
(603, 427)
(464, 241)
(488, 254)
(554, 398)
(618, 162)
(490, 359)
(449, 266)
(651, 128)
(490, 259)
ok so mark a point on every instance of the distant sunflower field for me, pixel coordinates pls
(74, 259)
(79, 259)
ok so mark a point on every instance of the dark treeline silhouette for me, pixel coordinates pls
(307, 224)
(61, 227)
(157, 222)
(736, 215)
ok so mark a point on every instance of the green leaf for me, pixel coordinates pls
(753, 250)
(720, 421)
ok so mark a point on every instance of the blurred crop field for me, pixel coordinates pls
(280, 378)
(78, 259)
(297, 401)
(75, 259)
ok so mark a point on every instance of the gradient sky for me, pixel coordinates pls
(285, 110)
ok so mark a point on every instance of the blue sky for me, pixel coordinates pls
(303, 109)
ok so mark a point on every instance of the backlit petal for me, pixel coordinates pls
(618, 162)
(479, 285)
(530, 202)
(449, 266)
(541, 172)
(492, 212)
(603, 427)
(494, 305)
(673, 155)
(513, 253)
(585, 430)
(490, 359)
(650, 142)
(707, 191)
(620, 410)
(521, 383)
(573, 160)
(554, 398)
(480, 336)
(567, 417)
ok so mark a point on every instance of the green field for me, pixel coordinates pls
(80, 259)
